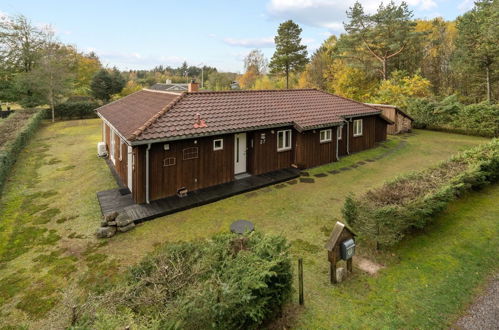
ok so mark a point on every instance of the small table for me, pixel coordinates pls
(241, 227)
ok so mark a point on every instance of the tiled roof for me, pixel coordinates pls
(233, 111)
(169, 87)
(384, 106)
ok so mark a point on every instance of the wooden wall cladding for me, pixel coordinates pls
(192, 164)
(311, 152)
(380, 129)
(367, 139)
(262, 153)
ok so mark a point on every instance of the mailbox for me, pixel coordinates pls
(347, 249)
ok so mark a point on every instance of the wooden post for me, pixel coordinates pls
(332, 270)
(349, 264)
(300, 280)
(73, 315)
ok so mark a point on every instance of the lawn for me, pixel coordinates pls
(49, 257)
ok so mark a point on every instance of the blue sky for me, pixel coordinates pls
(143, 34)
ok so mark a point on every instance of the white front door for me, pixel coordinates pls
(240, 153)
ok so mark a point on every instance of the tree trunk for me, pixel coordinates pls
(287, 78)
(52, 107)
(487, 71)
(384, 68)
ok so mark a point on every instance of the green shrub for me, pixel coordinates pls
(450, 115)
(228, 282)
(75, 110)
(15, 133)
(384, 215)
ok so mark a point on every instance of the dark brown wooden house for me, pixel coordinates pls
(161, 142)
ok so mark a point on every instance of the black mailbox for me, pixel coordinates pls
(347, 249)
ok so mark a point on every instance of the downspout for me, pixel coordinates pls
(337, 142)
(348, 137)
(147, 172)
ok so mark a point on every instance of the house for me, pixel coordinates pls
(169, 86)
(163, 142)
(402, 121)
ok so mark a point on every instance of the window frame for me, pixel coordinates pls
(192, 153)
(326, 138)
(121, 149)
(339, 133)
(168, 161)
(221, 144)
(287, 140)
(112, 146)
(356, 130)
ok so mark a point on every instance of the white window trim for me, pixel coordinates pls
(121, 149)
(285, 133)
(327, 132)
(339, 132)
(221, 144)
(356, 130)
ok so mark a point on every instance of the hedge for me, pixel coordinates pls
(227, 282)
(384, 215)
(75, 110)
(21, 133)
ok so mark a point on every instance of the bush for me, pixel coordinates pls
(449, 115)
(228, 282)
(75, 110)
(15, 132)
(384, 215)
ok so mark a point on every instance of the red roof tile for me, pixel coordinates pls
(231, 111)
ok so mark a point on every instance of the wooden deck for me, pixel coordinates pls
(113, 200)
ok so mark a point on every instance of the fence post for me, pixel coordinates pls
(300, 280)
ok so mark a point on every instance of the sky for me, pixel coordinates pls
(220, 33)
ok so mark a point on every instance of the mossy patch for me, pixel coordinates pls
(76, 235)
(12, 285)
(64, 219)
(38, 300)
(299, 246)
(66, 168)
(53, 161)
(46, 216)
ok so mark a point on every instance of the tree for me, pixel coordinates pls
(53, 76)
(87, 65)
(382, 35)
(290, 55)
(477, 47)
(105, 84)
(314, 74)
(255, 61)
(20, 43)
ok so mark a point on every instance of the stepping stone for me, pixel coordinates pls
(304, 174)
(307, 180)
(345, 169)
(320, 175)
(334, 171)
(361, 163)
(266, 189)
(280, 186)
(354, 166)
(251, 194)
(370, 160)
(292, 182)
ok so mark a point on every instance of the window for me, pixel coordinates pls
(284, 140)
(218, 144)
(339, 132)
(191, 153)
(170, 161)
(326, 135)
(357, 127)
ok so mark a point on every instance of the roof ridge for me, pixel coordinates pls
(253, 91)
(153, 119)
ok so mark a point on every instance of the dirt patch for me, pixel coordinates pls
(367, 265)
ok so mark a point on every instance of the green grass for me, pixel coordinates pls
(49, 213)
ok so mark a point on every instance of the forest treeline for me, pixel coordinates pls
(432, 68)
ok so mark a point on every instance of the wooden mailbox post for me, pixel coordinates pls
(340, 246)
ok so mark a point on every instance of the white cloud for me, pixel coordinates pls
(466, 5)
(329, 14)
(251, 43)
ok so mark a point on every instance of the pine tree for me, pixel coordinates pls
(290, 55)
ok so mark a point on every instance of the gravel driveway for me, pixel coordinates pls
(484, 313)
